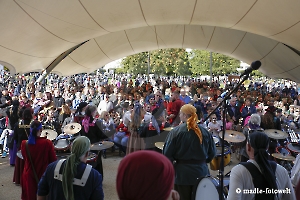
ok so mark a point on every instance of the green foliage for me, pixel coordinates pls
(221, 64)
(180, 62)
(162, 62)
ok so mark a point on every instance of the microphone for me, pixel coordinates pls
(254, 66)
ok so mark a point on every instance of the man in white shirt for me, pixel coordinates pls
(244, 177)
(105, 105)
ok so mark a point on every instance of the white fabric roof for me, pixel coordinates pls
(34, 32)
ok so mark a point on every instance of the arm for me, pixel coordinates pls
(236, 181)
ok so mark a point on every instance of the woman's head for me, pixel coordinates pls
(90, 111)
(35, 131)
(137, 115)
(145, 175)
(81, 107)
(27, 114)
(255, 119)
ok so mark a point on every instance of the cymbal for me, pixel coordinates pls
(283, 157)
(72, 128)
(233, 136)
(101, 145)
(276, 134)
(160, 145)
(50, 134)
(168, 129)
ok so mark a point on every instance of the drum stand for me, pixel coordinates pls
(221, 171)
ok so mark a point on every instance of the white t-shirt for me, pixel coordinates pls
(241, 178)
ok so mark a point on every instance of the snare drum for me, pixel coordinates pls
(215, 164)
(207, 188)
(294, 148)
(282, 150)
(62, 145)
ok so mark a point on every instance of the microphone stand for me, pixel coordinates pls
(221, 171)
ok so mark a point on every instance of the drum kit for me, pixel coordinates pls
(62, 144)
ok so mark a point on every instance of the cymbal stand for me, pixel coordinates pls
(223, 102)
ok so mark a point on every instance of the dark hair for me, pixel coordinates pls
(34, 127)
(89, 111)
(81, 106)
(259, 141)
(27, 114)
(49, 95)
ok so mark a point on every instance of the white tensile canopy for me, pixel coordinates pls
(33, 33)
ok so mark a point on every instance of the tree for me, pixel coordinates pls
(162, 62)
(221, 64)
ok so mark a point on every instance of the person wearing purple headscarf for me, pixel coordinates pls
(42, 154)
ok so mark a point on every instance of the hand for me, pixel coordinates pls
(175, 195)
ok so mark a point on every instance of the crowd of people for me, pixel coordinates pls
(133, 114)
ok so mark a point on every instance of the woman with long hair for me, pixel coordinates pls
(38, 153)
(13, 117)
(135, 142)
(21, 132)
(92, 131)
(259, 174)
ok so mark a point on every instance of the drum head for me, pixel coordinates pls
(206, 189)
(294, 147)
(219, 150)
(62, 144)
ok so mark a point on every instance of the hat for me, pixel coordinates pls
(135, 182)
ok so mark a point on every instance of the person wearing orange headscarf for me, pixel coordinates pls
(189, 146)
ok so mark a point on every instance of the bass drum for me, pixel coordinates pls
(207, 188)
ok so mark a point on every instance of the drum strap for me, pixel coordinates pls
(79, 182)
(258, 179)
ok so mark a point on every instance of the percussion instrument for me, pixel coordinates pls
(207, 188)
(50, 134)
(62, 155)
(215, 164)
(101, 145)
(72, 128)
(62, 145)
(19, 154)
(92, 158)
(276, 134)
(294, 148)
(216, 140)
(233, 136)
(282, 150)
(159, 145)
(283, 157)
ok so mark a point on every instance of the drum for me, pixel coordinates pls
(215, 164)
(62, 145)
(216, 140)
(207, 188)
(294, 148)
(282, 150)
(92, 158)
